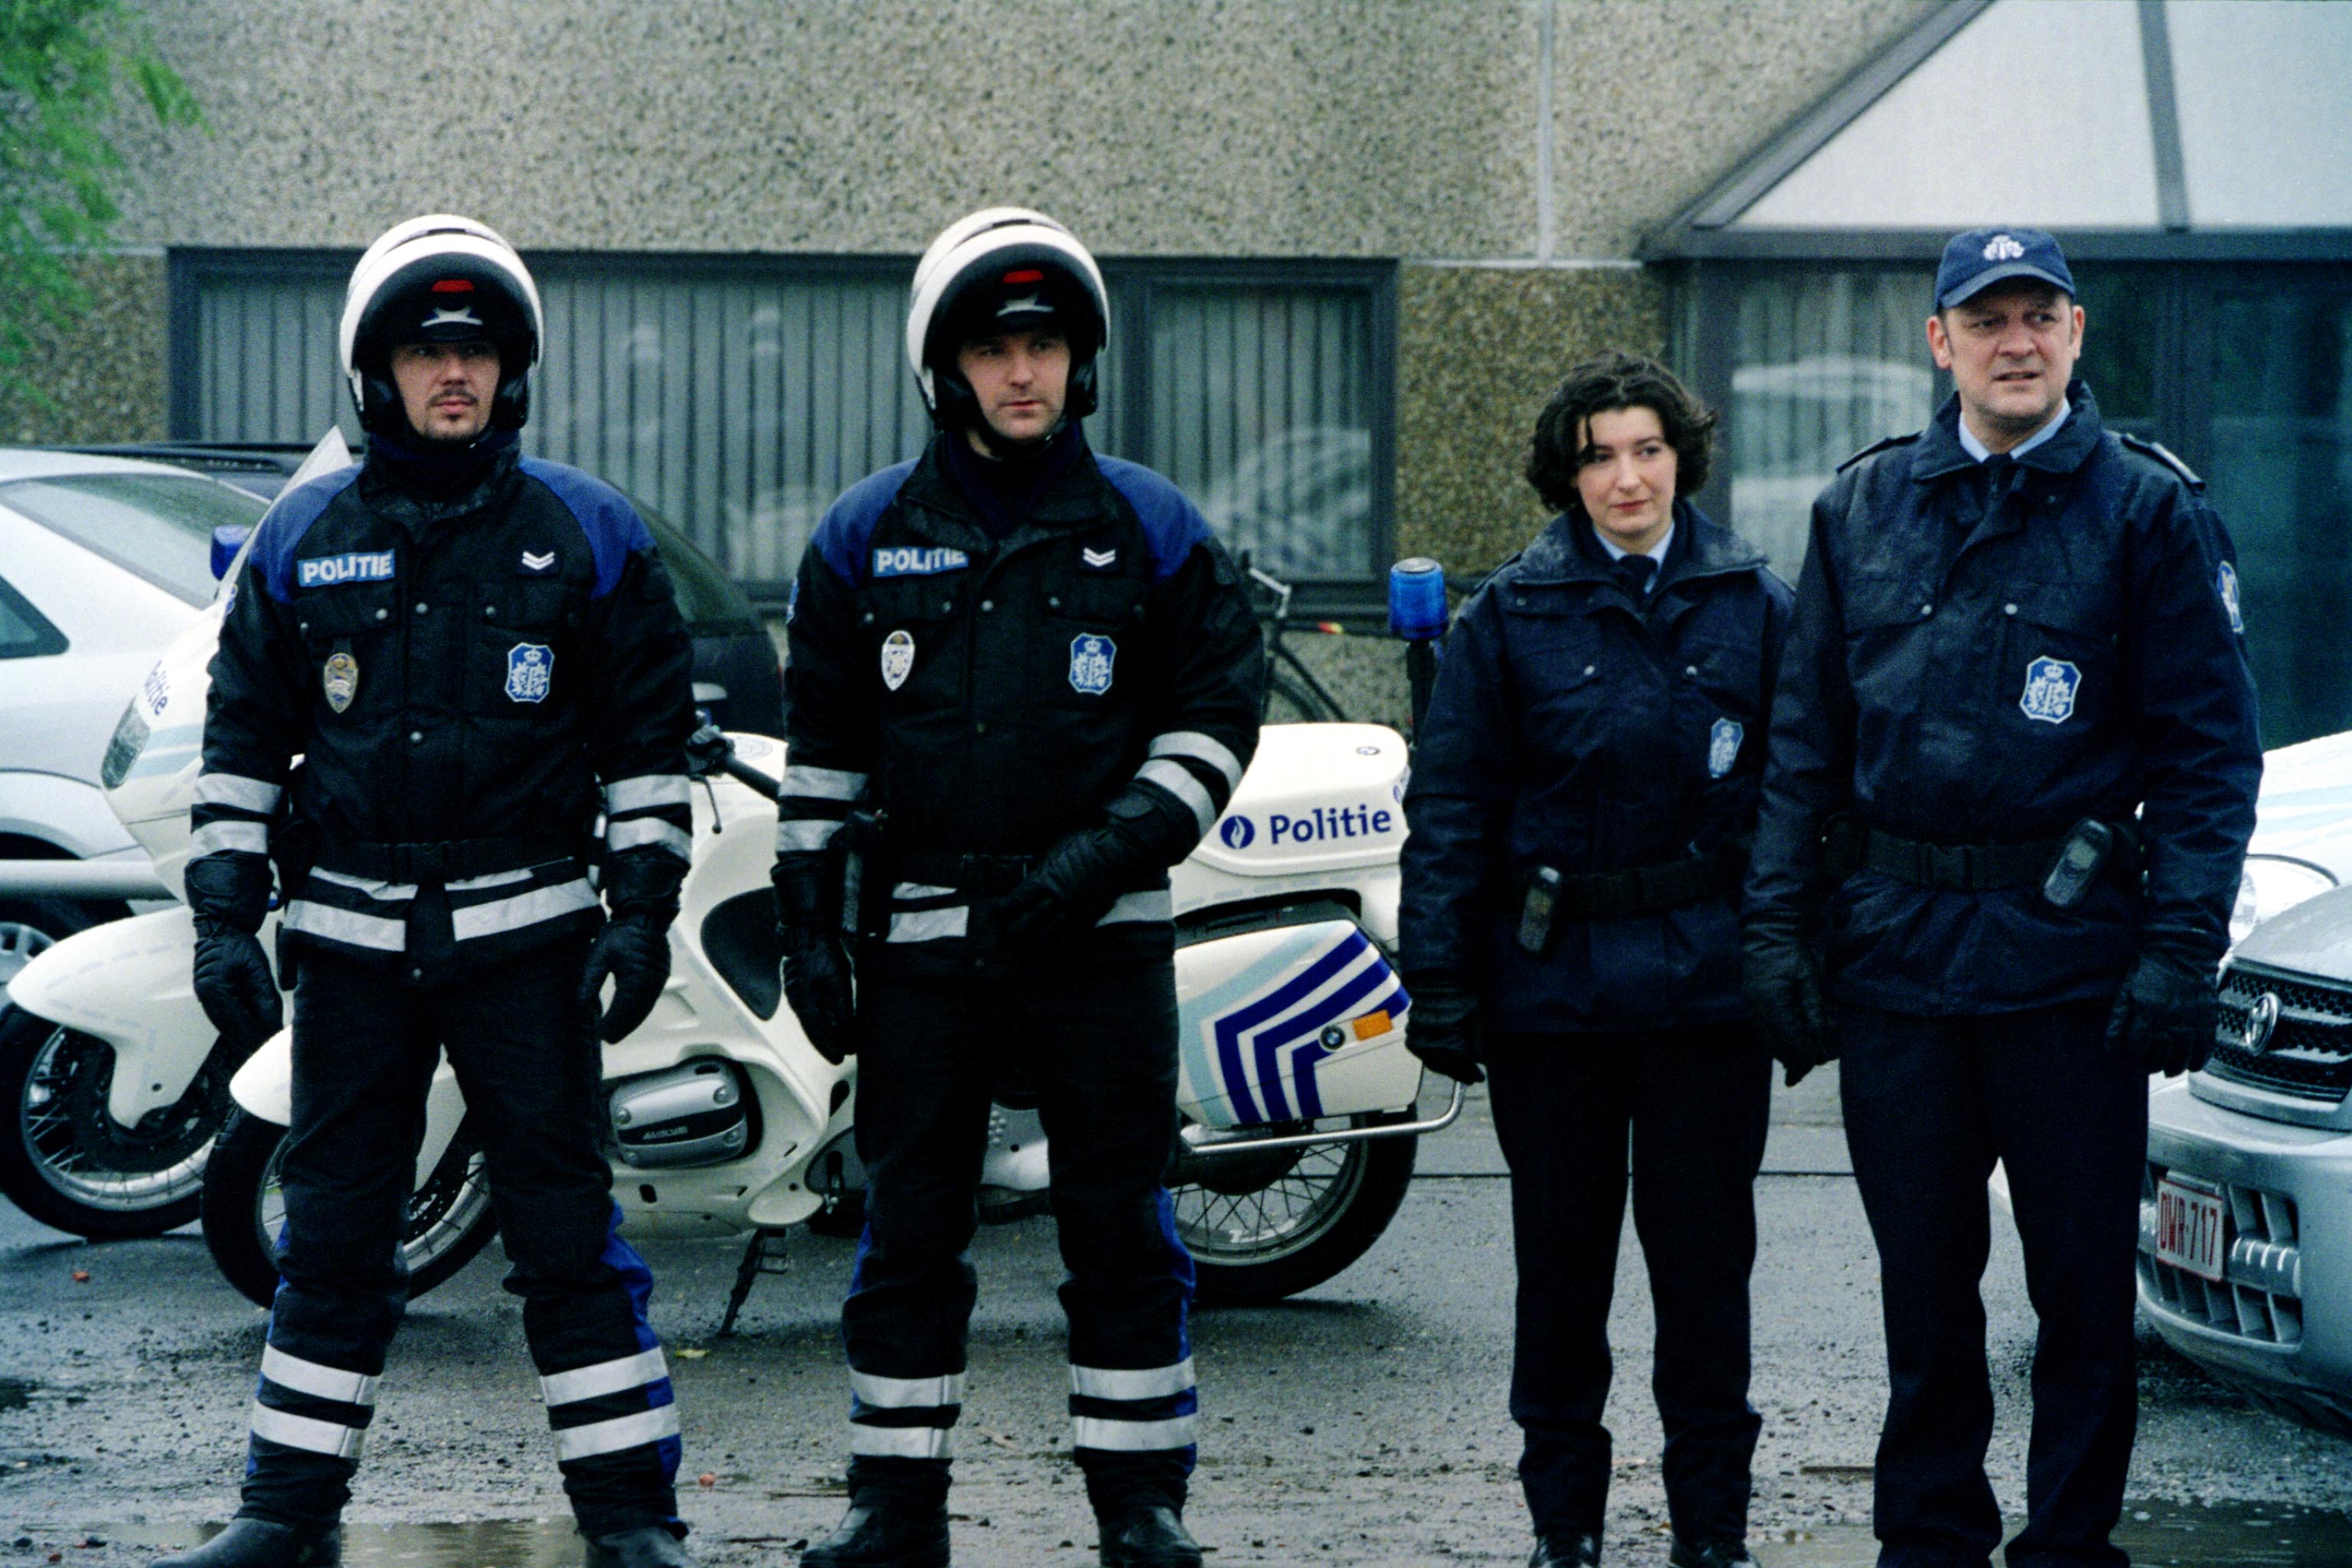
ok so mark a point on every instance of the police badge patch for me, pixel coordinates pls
(2229, 586)
(2049, 688)
(341, 680)
(897, 658)
(1090, 664)
(529, 667)
(1723, 746)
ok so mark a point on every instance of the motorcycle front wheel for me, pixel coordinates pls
(449, 1219)
(1261, 1226)
(65, 1162)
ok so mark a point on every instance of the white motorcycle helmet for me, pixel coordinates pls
(439, 278)
(1011, 263)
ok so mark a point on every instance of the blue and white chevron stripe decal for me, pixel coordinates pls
(1260, 1034)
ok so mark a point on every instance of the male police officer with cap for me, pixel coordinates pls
(462, 645)
(2011, 777)
(1038, 668)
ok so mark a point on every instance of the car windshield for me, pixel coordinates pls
(159, 526)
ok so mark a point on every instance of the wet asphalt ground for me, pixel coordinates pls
(1363, 1423)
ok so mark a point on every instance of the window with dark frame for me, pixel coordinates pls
(739, 396)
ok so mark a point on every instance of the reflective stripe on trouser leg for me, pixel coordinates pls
(1134, 1410)
(903, 1418)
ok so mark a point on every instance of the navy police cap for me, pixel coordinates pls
(1981, 258)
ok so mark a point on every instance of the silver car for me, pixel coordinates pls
(2245, 1242)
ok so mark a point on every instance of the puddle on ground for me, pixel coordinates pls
(2157, 1534)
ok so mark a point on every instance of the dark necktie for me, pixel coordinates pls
(1636, 573)
(1999, 470)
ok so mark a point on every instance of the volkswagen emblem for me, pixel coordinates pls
(2260, 1019)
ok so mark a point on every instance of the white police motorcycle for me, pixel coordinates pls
(1299, 1098)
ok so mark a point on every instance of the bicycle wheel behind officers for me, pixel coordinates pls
(1037, 667)
(1582, 789)
(462, 643)
(2012, 775)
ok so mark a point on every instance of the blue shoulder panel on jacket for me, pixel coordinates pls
(282, 527)
(1173, 525)
(615, 530)
(847, 526)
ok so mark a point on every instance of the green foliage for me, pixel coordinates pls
(61, 65)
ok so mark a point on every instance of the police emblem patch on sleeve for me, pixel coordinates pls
(529, 667)
(1090, 663)
(2049, 688)
(341, 680)
(897, 658)
(2229, 586)
(1723, 746)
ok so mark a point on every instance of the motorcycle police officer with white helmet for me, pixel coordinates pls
(1037, 670)
(474, 653)
(2011, 777)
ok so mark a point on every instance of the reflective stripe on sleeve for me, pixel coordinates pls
(604, 1377)
(214, 838)
(1201, 748)
(1132, 1437)
(1178, 780)
(1119, 1383)
(638, 832)
(244, 794)
(929, 925)
(905, 1393)
(343, 926)
(522, 909)
(307, 1433)
(800, 835)
(321, 1381)
(1157, 905)
(653, 789)
(621, 1432)
(900, 1442)
(823, 783)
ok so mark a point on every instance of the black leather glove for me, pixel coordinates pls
(1441, 1025)
(234, 984)
(634, 951)
(2165, 1016)
(1076, 885)
(816, 971)
(1781, 982)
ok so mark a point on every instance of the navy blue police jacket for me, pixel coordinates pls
(990, 695)
(469, 682)
(1982, 664)
(1570, 730)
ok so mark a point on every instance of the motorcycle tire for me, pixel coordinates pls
(1261, 1227)
(449, 1217)
(66, 1163)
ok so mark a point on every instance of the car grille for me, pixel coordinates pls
(2309, 1051)
(2260, 1297)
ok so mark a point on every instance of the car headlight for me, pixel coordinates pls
(2272, 886)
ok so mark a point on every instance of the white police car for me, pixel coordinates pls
(102, 561)
(2245, 1262)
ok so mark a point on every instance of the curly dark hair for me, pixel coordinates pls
(1611, 381)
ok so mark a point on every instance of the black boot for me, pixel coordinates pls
(647, 1546)
(1148, 1535)
(259, 1544)
(884, 1529)
(1566, 1549)
(1710, 1554)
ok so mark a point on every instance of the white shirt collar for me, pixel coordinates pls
(1979, 451)
(1656, 553)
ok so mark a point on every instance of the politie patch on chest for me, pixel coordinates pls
(2049, 688)
(530, 667)
(897, 658)
(1090, 663)
(341, 678)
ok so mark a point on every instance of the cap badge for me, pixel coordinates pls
(2002, 247)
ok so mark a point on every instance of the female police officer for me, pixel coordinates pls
(1584, 783)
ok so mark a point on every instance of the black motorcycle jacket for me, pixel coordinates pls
(459, 675)
(990, 695)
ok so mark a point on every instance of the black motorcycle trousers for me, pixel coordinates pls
(1097, 1045)
(1695, 1102)
(365, 1043)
